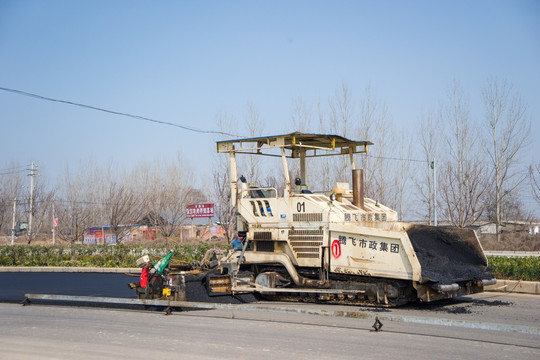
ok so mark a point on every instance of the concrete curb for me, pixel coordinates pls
(514, 286)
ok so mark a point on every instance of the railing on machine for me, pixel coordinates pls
(259, 192)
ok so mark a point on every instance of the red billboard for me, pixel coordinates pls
(200, 210)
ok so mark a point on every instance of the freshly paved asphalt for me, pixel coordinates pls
(13, 286)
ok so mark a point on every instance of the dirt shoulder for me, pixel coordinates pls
(514, 241)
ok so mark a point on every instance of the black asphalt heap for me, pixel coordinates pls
(448, 255)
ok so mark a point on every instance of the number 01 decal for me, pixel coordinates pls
(336, 249)
(301, 207)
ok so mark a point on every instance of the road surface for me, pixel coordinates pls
(62, 332)
(483, 326)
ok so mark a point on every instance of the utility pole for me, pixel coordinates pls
(434, 173)
(13, 222)
(209, 229)
(32, 174)
(53, 223)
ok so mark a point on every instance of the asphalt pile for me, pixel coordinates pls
(448, 255)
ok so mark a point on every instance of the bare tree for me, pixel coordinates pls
(534, 175)
(301, 117)
(255, 127)
(342, 118)
(508, 131)
(429, 134)
(341, 110)
(11, 182)
(513, 209)
(224, 209)
(73, 220)
(464, 190)
(41, 212)
(322, 178)
(374, 127)
(36, 205)
(464, 181)
(396, 195)
(72, 209)
(366, 119)
(111, 200)
(120, 208)
(11, 188)
(171, 206)
(5, 206)
(168, 194)
(144, 180)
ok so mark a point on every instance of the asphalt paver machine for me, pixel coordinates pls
(335, 245)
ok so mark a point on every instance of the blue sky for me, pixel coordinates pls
(185, 61)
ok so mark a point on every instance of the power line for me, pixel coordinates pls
(15, 167)
(82, 202)
(13, 170)
(40, 97)
(398, 159)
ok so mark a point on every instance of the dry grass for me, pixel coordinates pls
(513, 241)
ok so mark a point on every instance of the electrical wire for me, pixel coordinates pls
(40, 97)
(15, 167)
(11, 172)
(81, 202)
(398, 159)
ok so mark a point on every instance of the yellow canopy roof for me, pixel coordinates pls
(312, 144)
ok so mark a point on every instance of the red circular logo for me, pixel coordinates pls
(336, 249)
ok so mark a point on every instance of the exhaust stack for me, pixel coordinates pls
(358, 188)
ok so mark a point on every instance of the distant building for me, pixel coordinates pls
(105, 235)
(510, 226)
(488, 228)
